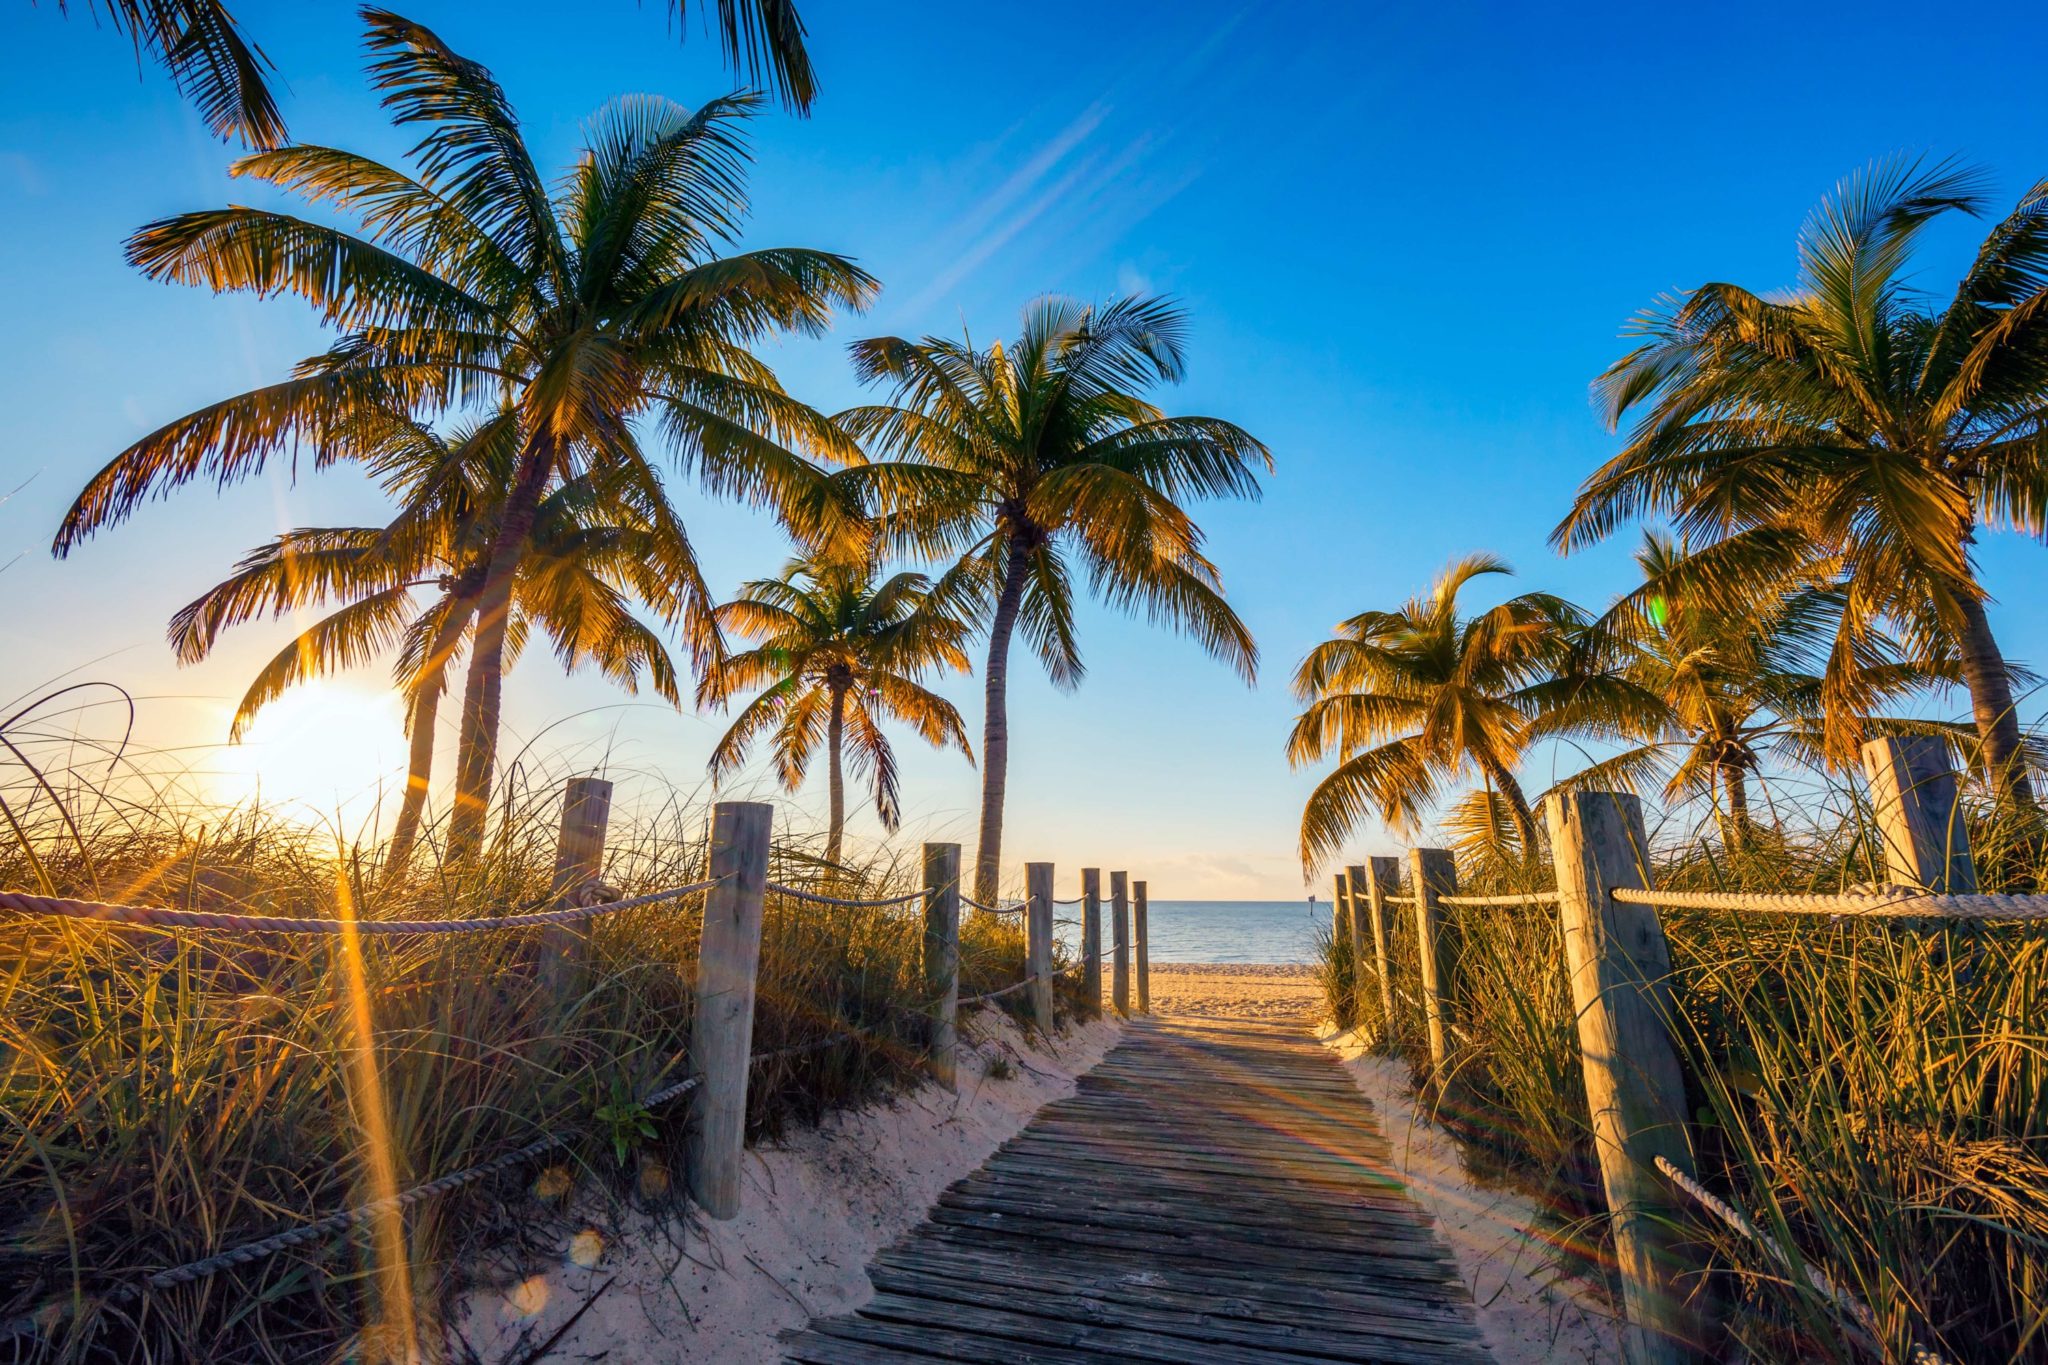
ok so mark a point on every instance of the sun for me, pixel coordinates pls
(321, 754)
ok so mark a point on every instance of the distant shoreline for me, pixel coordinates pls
(1231, 968)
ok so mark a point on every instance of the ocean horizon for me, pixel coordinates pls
(1219, 931)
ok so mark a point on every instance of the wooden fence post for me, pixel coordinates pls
(1352, 880)
(1620, 968)
(942, 956)
(722, 1035)
(1120, 933)
(1038, 940)
(1344, 940)
(1382, 879)
(1091, 939)
(579, 859)
(1913, 796)
(1144, 950)
(1435, 874)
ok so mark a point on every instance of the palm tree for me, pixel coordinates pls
(1850, 427)
(586, 311)
(1737, 683)
(1020, 463)
(202, 47)
(585, 563)
(838, 654)
(1410, 700)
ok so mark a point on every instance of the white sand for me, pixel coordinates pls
(1234, 990)
(818, 1206)
(1529, 1309)
(815, 1210)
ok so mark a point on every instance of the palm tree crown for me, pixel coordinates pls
(838, 654)
(1850, 431)
(591, 310)
(1023, 464)
(1410, 700)
(586, 563)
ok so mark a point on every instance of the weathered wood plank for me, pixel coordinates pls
(1210, 1192)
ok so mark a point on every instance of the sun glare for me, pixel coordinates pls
(320, 754)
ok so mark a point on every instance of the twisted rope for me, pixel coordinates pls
(250, 1252)
(973, 904)
(1531, 898)
(1840, 1298)
(994, 995)
(1399, 900)
(1902, 903)
(816, 899)
(163, 917)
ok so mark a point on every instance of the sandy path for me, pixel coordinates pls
(814, 1211)
(1236, 991)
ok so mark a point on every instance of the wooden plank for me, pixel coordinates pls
(1207, 1194)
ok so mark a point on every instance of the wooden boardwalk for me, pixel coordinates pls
(1215, 1191)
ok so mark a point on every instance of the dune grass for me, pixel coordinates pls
(1876, 1095)
(168, 1094)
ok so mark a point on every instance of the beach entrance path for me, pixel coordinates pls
(1214, 1191)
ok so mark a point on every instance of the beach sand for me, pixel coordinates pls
(1529, 1310)
(1233, 990)
(815, 1209)
(820, 1204)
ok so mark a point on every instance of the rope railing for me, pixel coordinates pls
(1400, 900)
(739, 847)
(798, 893)
(1896, 903)
(985, 996)
(334, 1224)
(1840, 1299)
(1016, 907)
(1531, 898)
(165, 917)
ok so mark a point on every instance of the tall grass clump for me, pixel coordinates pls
(168, 1094)
(1874, 1094)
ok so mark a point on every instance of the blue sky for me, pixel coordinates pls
(1407, 234)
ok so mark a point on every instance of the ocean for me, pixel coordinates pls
(1218, 931)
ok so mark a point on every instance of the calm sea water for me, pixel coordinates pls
(1220, 931)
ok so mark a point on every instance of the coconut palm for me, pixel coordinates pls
(838, 654)
(206, 55)
(202, 47)
(1852, 427)
(585, 564)
(1410, 701)
(1738, 684)
(593, 311)
(1021, 464)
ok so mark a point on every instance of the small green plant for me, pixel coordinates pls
(625, 1122)
(999, 1068)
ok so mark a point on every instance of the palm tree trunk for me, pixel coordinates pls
(426, 707)
(1736, 827)
(835, 740)
(478, 753)
(1518, 802)
(1991, 703)
(995, 726)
